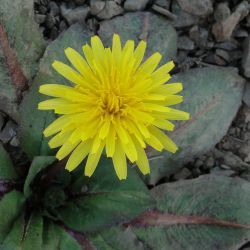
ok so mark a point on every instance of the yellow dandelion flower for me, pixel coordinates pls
(118, 103)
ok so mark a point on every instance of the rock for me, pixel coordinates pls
(163, 12)
(230, 45)
(199, 36)
(209, 163)
(78, 14)
(163, 3)
(8, 132)
(54, 9)
(246, 57)
(80, 2)
(231, 160)
(222, 12)
(62, 26)
(200, 8)
(40, 18)
(96, 6)
(244, 152)
(2, 120)
(110, 10)
(15, 142)
(246, 96)
(53, 33)
(223, 54)
(50, 21)
(183, 19)
(157, 31)
(223, 30)
(42, 9)
(132, 5)
(183, 174)
(219, 171)
(185, 43)
(241, 33)
(198, 163)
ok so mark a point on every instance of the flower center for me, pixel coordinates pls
(111, 103)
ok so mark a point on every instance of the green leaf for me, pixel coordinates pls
(38, 234)
(107, 201)
(34, 121)
(10, 207)
(56, 237)
(211, 212)
(156, 30)
(21, 45)
(7, 170)
(212, 96)
(38, 164)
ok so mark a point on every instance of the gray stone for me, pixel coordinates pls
(8, 132)
(50, 21)
(80, 2)
(199, 36)
(54, 8)
(72, 16)
(163, 11)
(246, 96)
(246, 57)
(223, 54)
(156, 30)
(40, 18)
(62, 26)
(1, 120)
(96, 6)
(229, 45)
(185, 43)
(15, 142)
(223, 30)
(219, 171)
(110, 10)
(244, 152)
(222, 12)
(209, 162)
(197, 7)
(53, 33)
(163, 3)
(183, 174)
(132, 5)
(241, 33)
(183, 19)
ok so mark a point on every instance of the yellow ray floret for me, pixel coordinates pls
(117, 103)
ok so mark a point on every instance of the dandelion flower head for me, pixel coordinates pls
(119, 103)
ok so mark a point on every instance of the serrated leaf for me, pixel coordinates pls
(7, 170)
(211, 212)
(212, 96)
(154, 29)
(34, 121)
(10, 207)
(56, 237)
(25, 235)
(38, 234)
(22, 45)
(107, 201)
(38, 164)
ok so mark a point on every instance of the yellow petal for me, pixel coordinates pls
(175, 114)
(63, 91)
(66, 149)
(104, 129)
(150, 64)
(56, 125)
(164, 124)
(110, 142)
(119, 161)
(59, 139)
(154, 142)
(81, 65)
(116, 48)
(139, 54)
(68, 73)
(142, 161)
(78, 155)
(93, 160)
(164, 139)
(130, 150)
(171, 100)
(171, 88)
